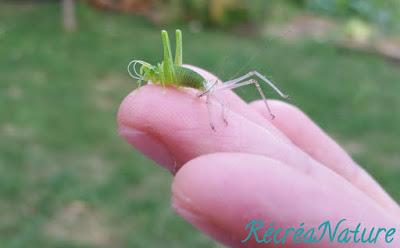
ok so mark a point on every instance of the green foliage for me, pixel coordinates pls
(228, 13)
(384, 13)
(217, 13)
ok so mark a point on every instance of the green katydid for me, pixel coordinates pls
(172, 72)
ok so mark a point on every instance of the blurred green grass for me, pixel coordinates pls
(63, 168)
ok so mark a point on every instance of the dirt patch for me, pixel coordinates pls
(78, 223)
(105, 89)
(354, 148)
(304, 26)
(389, 48)
(354, 35)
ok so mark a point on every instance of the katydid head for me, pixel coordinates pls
(143, 71)
(162, 72)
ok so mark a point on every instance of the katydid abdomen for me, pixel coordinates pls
(188, 78)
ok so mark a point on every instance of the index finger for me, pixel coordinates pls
(178, 122)
(170, 122)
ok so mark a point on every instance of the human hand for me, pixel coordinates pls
(284, 171)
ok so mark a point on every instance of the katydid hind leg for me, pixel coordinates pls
(237, 84)
(168, 65)
(178, 48)
(259, 76)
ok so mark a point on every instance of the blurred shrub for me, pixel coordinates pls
(230, 13)
(384, 13)
(357, 31)
(135, 6)
(218, 13)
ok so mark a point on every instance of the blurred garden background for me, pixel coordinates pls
(68, 180)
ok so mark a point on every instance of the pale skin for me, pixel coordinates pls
(286, 170)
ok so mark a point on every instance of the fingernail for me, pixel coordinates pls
(204, 223)
(149, 146)
(189, 214)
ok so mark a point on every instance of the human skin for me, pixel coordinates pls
(285, 170)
